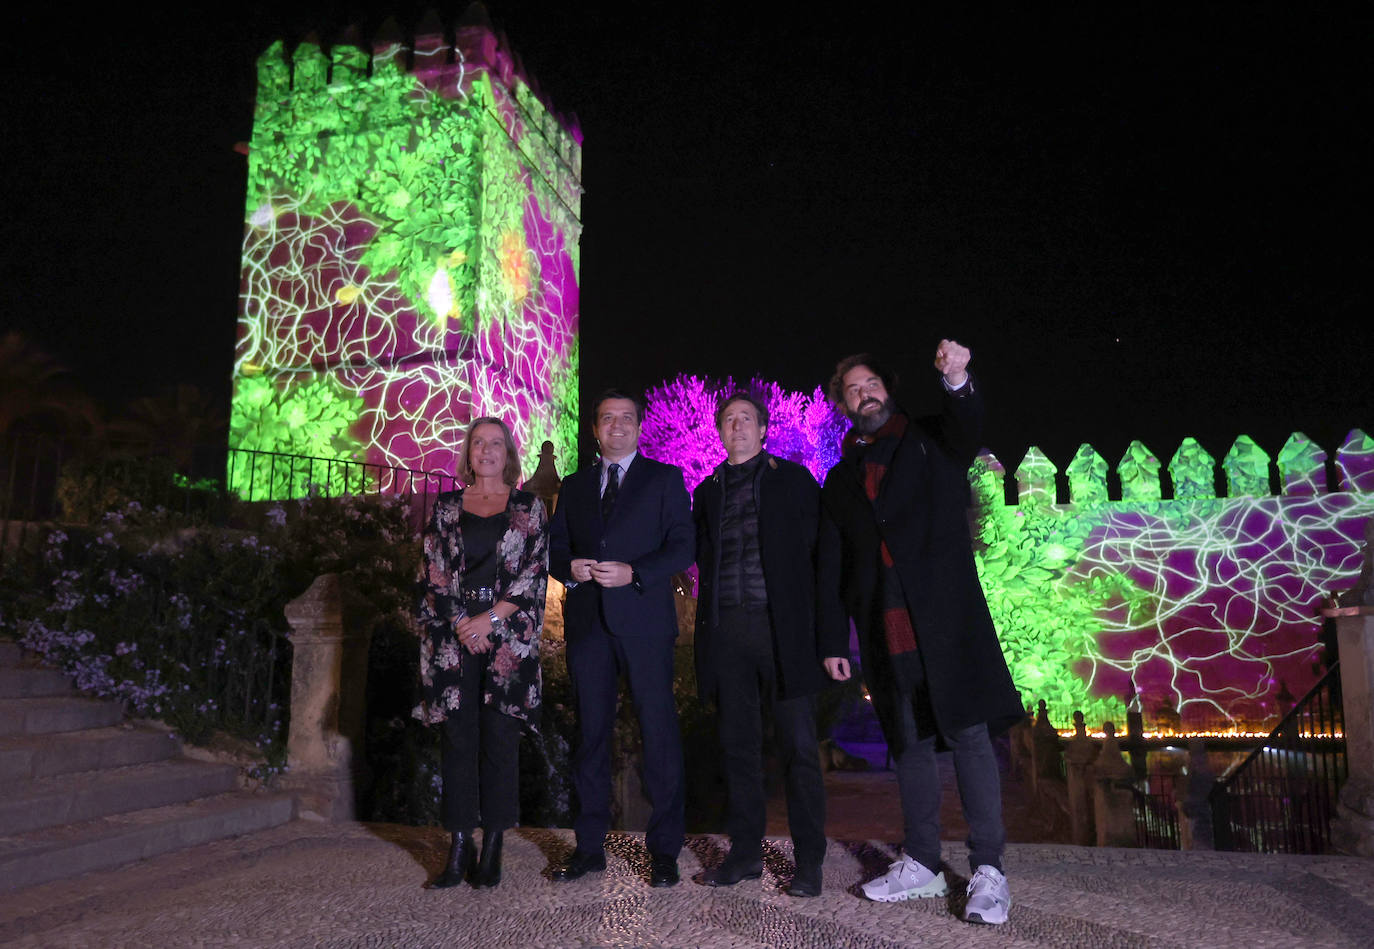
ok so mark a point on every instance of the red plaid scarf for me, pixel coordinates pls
(875, 456)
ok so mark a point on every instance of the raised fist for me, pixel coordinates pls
(952, 361)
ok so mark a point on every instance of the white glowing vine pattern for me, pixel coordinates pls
(1234, 587)
(477, 310)
(309, 305)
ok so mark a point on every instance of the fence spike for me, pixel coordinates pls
(388, 47)
(274, 75)
(1139, 473)
(1087, 476)
(1193, 471)
(1035, 478)
(348, 60)
(1247, 469)
(1302, 466)
(1355, 462)
(310, 67)
(987, 477)
(432, 50)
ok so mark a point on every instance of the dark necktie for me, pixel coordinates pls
(612, 489)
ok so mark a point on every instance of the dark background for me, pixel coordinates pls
(1146, 224)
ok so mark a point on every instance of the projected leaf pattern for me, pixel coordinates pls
(399, 253)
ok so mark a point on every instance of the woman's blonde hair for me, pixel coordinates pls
(511, 474)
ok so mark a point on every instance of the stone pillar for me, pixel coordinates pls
(1045, 758)
(1079, 755)
(1352, 829)
(1021, 735)
(545, 483)
(331, 630)
(1195, 807)
(1113, 803)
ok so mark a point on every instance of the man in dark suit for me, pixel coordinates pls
(895, 556)
(757, 518)
(622, 528)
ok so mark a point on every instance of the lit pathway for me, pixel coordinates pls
(313, 884)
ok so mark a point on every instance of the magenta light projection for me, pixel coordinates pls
(680, 425)
(410, 258)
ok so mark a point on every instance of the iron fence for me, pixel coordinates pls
(44, 478)
(252, 475)
(1282, 796)
(1156, 812)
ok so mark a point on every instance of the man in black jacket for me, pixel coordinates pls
(895, 556)
(756, 521)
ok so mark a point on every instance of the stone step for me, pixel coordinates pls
(71, 798)
(25, 757)
(60, 852)
(25, 682)
(39, 716)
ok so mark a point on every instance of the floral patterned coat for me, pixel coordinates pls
(514, 682)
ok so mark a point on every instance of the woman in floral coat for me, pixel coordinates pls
(481, 613)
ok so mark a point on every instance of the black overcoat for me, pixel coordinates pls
(921, 511)
(789, 512)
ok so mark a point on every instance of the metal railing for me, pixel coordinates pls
(44, 478)
(1282, 796)
(253, 475)
(1156, 812)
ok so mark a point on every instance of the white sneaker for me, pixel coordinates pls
(906, 879)
(989, 897)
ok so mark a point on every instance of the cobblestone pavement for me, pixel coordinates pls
(314, 884)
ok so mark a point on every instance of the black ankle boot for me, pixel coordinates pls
(460, 854)
(489, 865)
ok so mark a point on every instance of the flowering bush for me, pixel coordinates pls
(187, 624)
(186, 627)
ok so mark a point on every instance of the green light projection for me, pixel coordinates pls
(409, 258)
(1206, 604)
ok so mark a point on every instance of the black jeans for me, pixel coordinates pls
(918, 783)
(480, 759)
(747, 679)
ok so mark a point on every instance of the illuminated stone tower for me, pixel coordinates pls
(410, 255)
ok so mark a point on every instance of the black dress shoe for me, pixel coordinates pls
(579, 864)
(489, 864)
(806, 881)
(663, 871)
(734, 869)
(459, 865)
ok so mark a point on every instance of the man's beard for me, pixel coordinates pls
(868, 424)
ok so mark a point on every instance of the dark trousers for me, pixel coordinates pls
(479, 752)
(918, 783)
(596, 660)
(747, 679)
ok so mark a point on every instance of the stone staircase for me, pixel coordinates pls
(82, 790)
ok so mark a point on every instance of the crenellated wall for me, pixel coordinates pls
(1203, 605)
(410, 254)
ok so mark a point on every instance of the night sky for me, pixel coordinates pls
(1146, 225)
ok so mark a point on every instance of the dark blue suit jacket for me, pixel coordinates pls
(650, 529)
